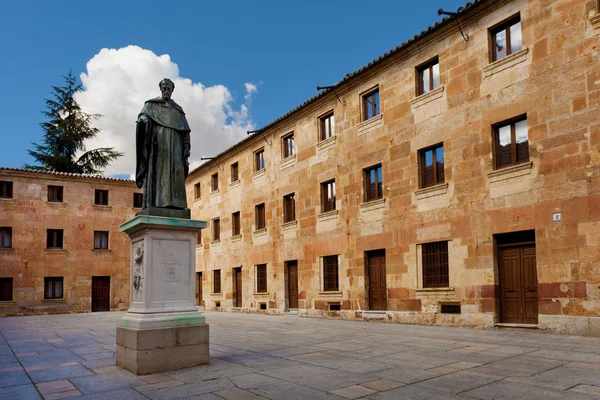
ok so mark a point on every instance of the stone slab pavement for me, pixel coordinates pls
(287, 357)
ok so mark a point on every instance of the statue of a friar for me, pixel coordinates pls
(163, 151)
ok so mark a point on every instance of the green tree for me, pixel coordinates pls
(65, 133)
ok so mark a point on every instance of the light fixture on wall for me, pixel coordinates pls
(455, 17)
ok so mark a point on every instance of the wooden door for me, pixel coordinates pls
(292, 284)
(377, 283)
(199, 289)
(518, 285)
(100, 293)
(238, 286)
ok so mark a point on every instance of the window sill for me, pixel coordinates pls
(328, 215)
(6, 250)
(513, 171)
(234, 184)
(236, 238)
(289, 226)
(371, 123)
(263, 294)
(56, 204)
(199, 247)
(595, 20)
(214, 243)
(431, 191)
(259, 174)
(428, 97)
(287, 162)
(8, 199)
(55, 251)
(214, 193)
(331, 294)
(505, 63)
(217, 294)
(198, 200)
(326, 144)
(7, 303)
(372, 205)
(101, 251)
(260, 232)
(102, 207)
(54, 300)
(435, 290)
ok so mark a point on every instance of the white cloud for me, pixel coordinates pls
(118, 81)
(250, 88)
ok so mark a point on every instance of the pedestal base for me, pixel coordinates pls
(150, 350)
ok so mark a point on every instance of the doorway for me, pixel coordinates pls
(375, 269)
(237, 287)
(292, 283)
(517, 271)
(199, 301)
(100, 293)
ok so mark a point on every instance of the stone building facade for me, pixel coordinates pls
(60, 246)
(458, 183)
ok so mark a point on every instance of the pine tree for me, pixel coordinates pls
(65, 133)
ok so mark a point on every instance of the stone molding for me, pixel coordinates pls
(7, 250)
(287, 162)
(289, 226)
(513, 171)
(435, 290)
(432, 191)
(260, 232)
(371, 123)
(198, 201)
(372, 205)
(214, 193)
(259, 173)
(427, 97)
(326, 216)
(236, 238)
(505, 63)
(217, 294)
(338, 293)
(261, 294)
(234, 184)
(55, 251)
(326, 144)
(215, 243)
(57, 204)
(101, 207)
(595, 20)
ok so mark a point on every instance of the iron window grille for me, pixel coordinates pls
(261, 278)
(435, 265)
(217, 281)
(330, 274)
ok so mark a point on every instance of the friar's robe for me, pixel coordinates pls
(162, 145)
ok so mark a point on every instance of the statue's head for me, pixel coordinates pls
(166, 88)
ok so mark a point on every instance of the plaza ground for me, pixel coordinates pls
(288, 357)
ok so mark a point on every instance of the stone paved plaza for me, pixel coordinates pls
(287, 357)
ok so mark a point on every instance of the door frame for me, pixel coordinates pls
(287, 285)
(103, 277)
(367, 269)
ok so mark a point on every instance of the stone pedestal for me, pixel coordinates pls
(163, 329)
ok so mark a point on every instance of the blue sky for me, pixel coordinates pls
(285, 49)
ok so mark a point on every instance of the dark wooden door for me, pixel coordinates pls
(238, 287)
(292, 284)
(199, 288)
(518, 285)
(377, 284)
(100, 293)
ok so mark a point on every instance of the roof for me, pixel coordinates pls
(64, 174)
(469, 6)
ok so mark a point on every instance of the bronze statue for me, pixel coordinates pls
(163, 151)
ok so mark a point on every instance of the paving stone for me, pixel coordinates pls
(253, 380)
(22, 392)
(105, 382)
(159, 385)
(381, 385)
(405, 375)
(120, 394)
(62, 385)
(317, 377)
(341, 363)
(155, 378)
(216, 369)
(189, 389)
(587, 389)
(561, 378)
(459, 381)
(238, 394)
(14, 378)
(353, 392)
(58, 372)
(415, 393)
(54, 358)
(512, 390)
(291, 391)
(62, 395)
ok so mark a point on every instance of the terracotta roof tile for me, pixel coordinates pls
(65, 174)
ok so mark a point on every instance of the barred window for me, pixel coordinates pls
(435, 265)
(261, 278)
(217, 281)
(53, 288)
(330, 274)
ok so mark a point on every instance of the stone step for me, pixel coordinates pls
(373, 315)
(290, 312)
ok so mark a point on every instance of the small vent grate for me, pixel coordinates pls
(263, 306)
(450, 309)
(217, 304)
(335, 307)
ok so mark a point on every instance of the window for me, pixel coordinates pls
(511, 145)
(431, 163)
(216, 229)
(288, 145)
(100, 240)
(196, 191)
(328, 196)
(435, 265)
(55, 194)
(259, 160)
(428, 77)
(6, 289)
(217, 281)
(327, 126)
(506, 39)
(137, 200)
(53, 288)
(261, 278)
(259, 216)
(5, 237)
(373, 183)
(199, 238)
(101, 197)
(330, 274)
(235, 224)
(289, 208)
(214, 182)
(54, 239)
(6, 189)
(235, 175)
(370, 103)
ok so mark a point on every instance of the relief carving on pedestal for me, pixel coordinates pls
(138, 256)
